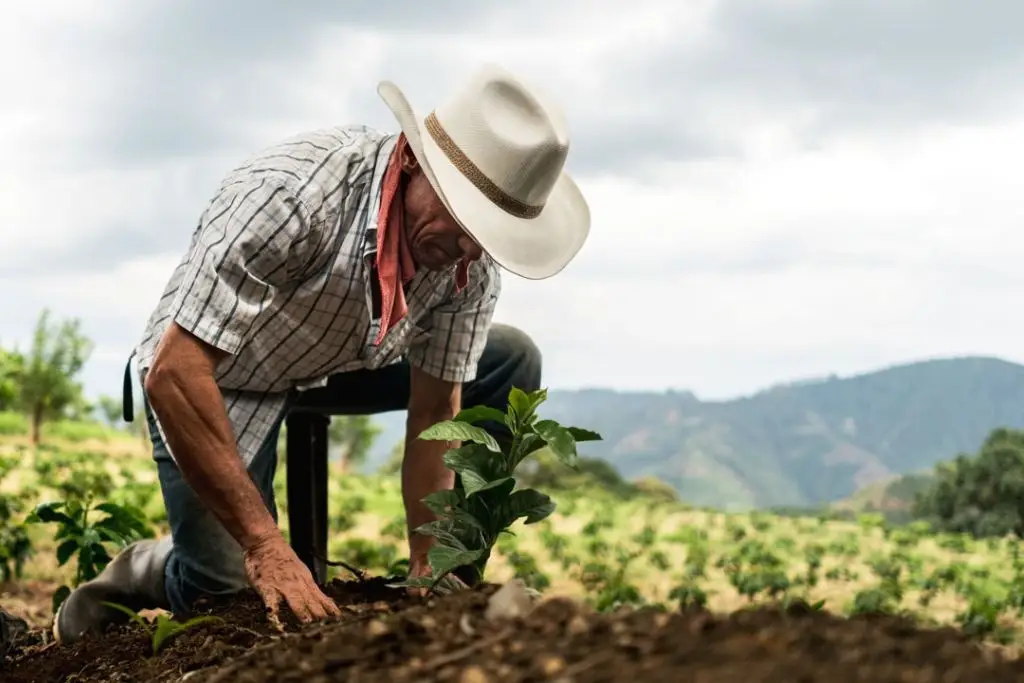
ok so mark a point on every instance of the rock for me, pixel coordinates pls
(474, 674)
(551, 666)
(577, 626)
(377, 628)
(511, 601)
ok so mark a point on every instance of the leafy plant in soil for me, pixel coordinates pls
(15, 545)
(81, 537)
(163, 628)
(485, 502)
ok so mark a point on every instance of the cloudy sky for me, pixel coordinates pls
(779, 188)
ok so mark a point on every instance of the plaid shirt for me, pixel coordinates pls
(278, 274)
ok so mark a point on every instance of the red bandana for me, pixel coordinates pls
(395, 265)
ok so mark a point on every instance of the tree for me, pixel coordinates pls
(48, 388)
(11, 365)
(981, 495)
(354, 435)
(111, 409)
(393, 465)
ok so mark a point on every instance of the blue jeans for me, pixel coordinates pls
(206, 559)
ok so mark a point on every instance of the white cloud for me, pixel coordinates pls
(791, 253)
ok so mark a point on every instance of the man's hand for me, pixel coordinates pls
(277, 574)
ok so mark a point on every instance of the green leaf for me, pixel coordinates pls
(533, 505)
(110, 535)
(443, 503)
(444, 559)
(477, 462)
(559, 439)
(418, 582)
(441, 530)
(480, 414)
(65, 551)
(134, 616)
(451, 430)
(486, 485)
(168, 628)
(519, 402)
(472, 482)
(581, 435)
(49, 513)
(524, 404)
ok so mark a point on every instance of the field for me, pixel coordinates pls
(630, 587)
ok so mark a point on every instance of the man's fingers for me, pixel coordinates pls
(332, 607)
(300, 608)
(272, 600)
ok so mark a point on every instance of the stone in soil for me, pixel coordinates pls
(387, 637)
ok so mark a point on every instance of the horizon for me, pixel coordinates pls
(781, 384)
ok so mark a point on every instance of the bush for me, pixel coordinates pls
(76, 432)
(13, 424)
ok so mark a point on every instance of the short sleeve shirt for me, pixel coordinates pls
(277, 275)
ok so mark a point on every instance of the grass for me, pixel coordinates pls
(595, 546)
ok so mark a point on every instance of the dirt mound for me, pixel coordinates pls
(386, 637)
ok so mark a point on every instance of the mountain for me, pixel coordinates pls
(806, 443)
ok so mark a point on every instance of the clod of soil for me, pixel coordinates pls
(386, 637)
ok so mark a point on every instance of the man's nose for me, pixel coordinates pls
(470, 248)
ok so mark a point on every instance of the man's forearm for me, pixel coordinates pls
(191, 412)
(423, 473)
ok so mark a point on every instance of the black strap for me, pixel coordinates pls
(128, 396)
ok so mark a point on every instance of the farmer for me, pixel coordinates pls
(351, 271)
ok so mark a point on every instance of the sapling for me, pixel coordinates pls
(484, 502)
(163, 628)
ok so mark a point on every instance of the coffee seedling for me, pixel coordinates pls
(163, 628)
(484, 502)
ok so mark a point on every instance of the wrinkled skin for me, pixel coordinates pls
(435, 238)
(278, 576)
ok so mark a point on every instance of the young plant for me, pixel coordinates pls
(78, 535)
(163, 628)
(484, 502)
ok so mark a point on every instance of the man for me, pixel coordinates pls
(362, 268)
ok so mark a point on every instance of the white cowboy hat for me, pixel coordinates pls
(494, 153)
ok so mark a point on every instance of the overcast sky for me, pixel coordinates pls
(779, 188)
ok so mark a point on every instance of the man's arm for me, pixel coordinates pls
(181, 389)
(431, 400)
(439, 367)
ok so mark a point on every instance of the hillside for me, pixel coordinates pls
(800, 444)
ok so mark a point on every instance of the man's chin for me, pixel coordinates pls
(434, 262)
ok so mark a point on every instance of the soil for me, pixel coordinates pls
(386, 637)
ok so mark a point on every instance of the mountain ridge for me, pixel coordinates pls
(807, 442)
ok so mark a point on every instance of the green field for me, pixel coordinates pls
(596, 546)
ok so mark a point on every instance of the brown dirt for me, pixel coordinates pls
(386, 637)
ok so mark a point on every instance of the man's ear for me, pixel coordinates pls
(409, 162)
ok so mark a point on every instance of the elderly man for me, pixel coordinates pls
(352, 271)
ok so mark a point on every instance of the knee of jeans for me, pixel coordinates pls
(522, 355)
(204, 569)
(206, 559)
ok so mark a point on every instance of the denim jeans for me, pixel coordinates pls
(206, 560)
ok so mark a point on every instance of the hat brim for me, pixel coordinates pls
(533, 248)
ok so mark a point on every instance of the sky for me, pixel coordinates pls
(779, 189)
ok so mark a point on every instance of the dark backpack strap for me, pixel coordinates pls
(127, 395)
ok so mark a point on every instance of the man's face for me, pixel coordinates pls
(435, 238)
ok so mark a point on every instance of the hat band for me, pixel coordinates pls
(473, 174)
